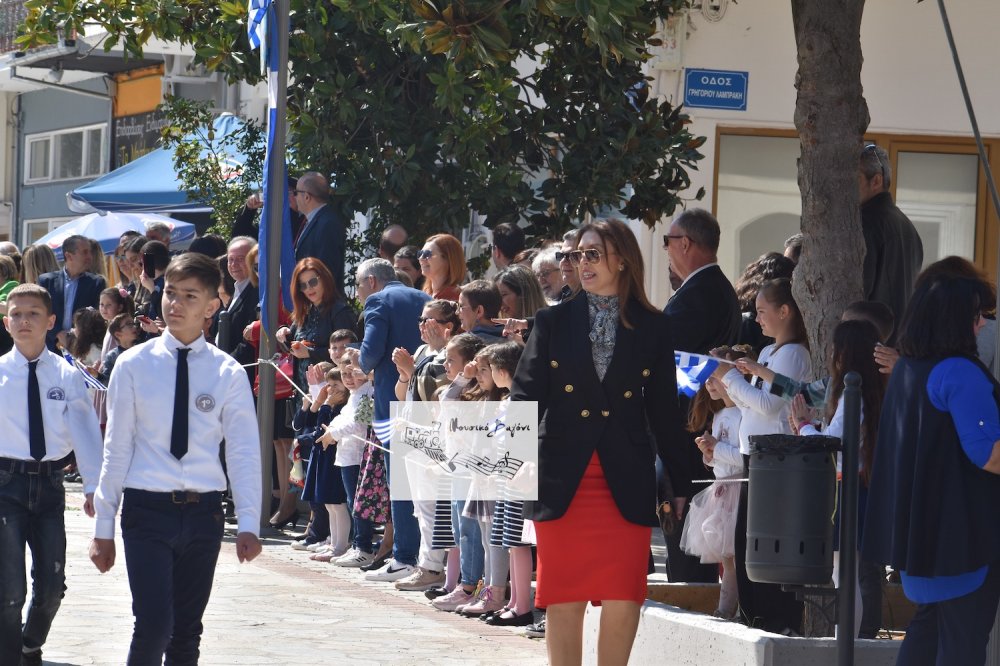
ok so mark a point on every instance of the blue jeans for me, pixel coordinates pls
(170, 552)
(469, 538)
(31, 513)
(405, 533)
(364, 530)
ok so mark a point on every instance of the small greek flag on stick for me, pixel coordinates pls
(383, 430)
(693, 370)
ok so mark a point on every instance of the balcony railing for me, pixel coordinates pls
(12, 13)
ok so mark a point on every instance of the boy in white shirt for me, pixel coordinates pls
(47, 415)
(168, 469)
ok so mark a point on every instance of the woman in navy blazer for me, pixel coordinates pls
(601, 368)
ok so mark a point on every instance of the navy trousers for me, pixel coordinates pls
(31, 514)
(955, 631)
(170, 551)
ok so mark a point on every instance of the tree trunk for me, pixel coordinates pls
(831, 116)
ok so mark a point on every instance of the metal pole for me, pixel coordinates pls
(850, 443)
(990, 183)
(276, 174)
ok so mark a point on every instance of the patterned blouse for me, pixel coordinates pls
(603, 312)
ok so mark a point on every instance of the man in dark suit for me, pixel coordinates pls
(71, 288)
(324, 233)
(391, 313)
(703, 313)
(242, 309)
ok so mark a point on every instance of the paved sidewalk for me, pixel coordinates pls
(279, 609)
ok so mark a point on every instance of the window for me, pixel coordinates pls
(66, 155)
(35, 229)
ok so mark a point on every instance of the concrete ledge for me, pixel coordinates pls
(670, 636)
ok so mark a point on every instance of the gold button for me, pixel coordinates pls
(569, 388)
(554, 364)
(585, 413)
(645, 373)
(628, 394)
(605, 413)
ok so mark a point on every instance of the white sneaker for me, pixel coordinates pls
(318, 546)
(301, 544)
(391, 572)
(355, 558)
(454, 599)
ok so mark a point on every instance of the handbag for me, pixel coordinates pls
(282, 387)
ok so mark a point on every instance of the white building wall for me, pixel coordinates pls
(908, 77)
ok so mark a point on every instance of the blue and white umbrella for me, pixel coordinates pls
(107, 229)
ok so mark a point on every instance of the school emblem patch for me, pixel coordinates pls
(204, 402)
(56, 393)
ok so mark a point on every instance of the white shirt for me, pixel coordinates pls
(726, 458)
(137, 442)
(695, 272)
(347, 432)
(67, 413)
(238, 290)
(836, 429)
(763, 412)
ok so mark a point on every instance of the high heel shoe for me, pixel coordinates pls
(292, 520)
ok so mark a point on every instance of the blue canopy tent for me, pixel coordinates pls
(108, 227)
(149, 184)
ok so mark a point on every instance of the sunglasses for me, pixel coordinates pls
(576, 256)
(424, 320)
(425, 254)
(667, 237)
(309, 284)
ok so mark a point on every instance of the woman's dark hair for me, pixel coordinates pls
(941, 317)
(228, 284)
(90, 329)
(779, 292)
(409, 253)
(770, 266)
(853, 344)
(467, 345)
(447, 311)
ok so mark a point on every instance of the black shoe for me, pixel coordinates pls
(435, 592)
(377, 563)
(499, 620)
(31, 658)
(292, 520)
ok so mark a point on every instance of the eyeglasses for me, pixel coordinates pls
(425, 254)
(667, 237)
(881, 167)
(295, 193)
(310, 283)
(541, 275)
(424, 320)
(576, 256)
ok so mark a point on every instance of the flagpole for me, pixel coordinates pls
(275, 217)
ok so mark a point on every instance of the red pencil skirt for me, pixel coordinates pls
(592, 553)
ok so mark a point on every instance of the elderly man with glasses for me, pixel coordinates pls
(893, 250)
(704, 313)
(324, 233)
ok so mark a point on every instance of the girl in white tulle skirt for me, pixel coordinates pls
(709, 532)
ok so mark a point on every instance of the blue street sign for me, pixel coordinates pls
(716, 89)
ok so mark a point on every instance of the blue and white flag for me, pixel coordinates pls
(88, 379)
(275, 186)
(257, 26)
(383, 430)
(692, 371)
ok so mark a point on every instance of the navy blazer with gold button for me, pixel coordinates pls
(629, 418)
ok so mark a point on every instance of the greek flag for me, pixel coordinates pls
(692, 371)
(257, 22)
(88, 379)
(275, 186)
(383, 430)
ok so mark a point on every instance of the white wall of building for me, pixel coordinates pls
(909, 83)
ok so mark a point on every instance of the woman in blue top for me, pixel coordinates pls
(935, 482)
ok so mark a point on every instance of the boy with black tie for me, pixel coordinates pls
(169, 471)
(47, 415)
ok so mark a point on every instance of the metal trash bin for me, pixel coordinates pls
(790, 509)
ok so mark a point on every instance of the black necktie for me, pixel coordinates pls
(179, 432)
(36, 428)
